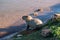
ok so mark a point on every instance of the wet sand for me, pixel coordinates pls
(11, 12)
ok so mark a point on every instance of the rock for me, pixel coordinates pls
(19, 35)
(46, 32)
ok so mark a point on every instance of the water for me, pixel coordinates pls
(11, 11)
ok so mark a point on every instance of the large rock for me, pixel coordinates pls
(46, 32)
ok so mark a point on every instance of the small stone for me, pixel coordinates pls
(19, 35)
(46, 32)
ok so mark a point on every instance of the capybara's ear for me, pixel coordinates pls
(24, 17)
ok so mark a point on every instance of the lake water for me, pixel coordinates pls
(11, 11)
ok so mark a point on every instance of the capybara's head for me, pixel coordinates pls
(27, 18)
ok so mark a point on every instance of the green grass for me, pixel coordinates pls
(55, 28)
